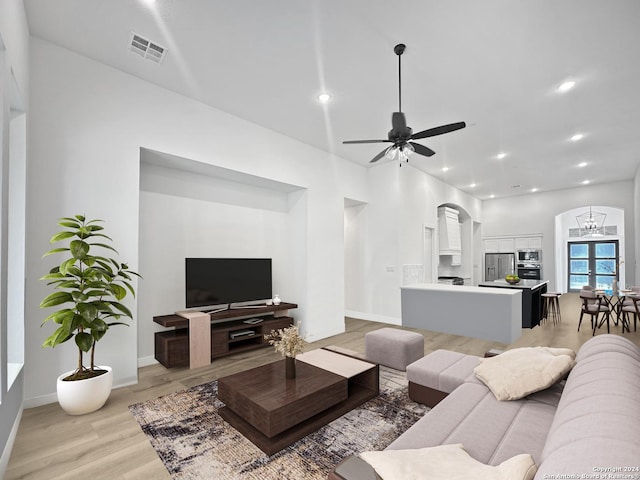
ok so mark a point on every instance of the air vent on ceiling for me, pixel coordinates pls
(146, 48)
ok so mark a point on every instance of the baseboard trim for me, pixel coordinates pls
(372, 317)
(146, 361)
(53, 397)
(40, 400)
(6, 453)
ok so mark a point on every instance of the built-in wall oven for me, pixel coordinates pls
(530, 264)
(530, 271)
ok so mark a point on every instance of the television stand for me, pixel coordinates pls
(172, 347)
(240, 307)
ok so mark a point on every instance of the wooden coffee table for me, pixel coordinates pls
(273, 412)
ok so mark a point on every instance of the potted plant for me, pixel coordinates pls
(89, 289)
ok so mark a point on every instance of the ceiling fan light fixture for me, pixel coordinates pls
(407, 150)
(390, 152)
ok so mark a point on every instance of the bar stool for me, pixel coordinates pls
(551, 306)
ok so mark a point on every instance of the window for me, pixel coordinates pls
(593, 263)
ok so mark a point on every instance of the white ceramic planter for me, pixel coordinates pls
(84, 396)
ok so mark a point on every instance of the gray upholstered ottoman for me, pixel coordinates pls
(436, 375)
(393, 347)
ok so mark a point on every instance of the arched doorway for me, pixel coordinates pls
(589, 258)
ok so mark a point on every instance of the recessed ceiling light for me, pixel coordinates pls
(324, 97)
(149, 2)
(586, 182)
(576, 137)
(492, 196)
(445, 169)
(472, 185)
(534, 190)
(566, 86)
(582, 164)
(501, 155)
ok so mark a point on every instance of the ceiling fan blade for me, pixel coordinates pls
(432, 132)
(422, 150)
(398, 121)
(366, 141)
(378, 156)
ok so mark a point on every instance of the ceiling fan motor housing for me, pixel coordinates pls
(400, 137)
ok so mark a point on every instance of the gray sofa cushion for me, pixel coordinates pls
(490, 430)
(443, 370)
(597, 423)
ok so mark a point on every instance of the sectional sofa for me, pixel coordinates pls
(585, 427)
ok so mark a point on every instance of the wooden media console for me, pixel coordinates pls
(229, 333)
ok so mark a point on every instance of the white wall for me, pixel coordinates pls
(636, 216)
(89, 121)
(402, 201)
(535, 213)
(14, 82)
(188, 215)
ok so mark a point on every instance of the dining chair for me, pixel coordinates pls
(631, 305)
(593, 305)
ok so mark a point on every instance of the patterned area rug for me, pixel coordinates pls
(194, 442)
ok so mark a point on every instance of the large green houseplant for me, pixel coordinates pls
(89, 289)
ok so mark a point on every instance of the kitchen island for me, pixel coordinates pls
(488, 313)
(532, 291)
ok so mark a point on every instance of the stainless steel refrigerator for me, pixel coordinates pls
(498, 265)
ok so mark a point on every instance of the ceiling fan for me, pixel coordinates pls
(400, 134)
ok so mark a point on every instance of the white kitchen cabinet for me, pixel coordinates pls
(491, 246)
(499, 245)
(529, 243)
(506, 245)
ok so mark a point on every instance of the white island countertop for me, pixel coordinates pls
(457, 288)
(522, 284)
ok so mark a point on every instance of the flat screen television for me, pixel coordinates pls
(220, 281)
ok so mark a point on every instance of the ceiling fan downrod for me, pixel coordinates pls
(399, 50)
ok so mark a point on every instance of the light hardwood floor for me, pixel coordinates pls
(109, 444)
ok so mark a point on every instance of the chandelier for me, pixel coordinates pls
(591, 223)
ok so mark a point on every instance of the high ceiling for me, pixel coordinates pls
(495, 64)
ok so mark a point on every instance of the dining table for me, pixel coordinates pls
(615, 301)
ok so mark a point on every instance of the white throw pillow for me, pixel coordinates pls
(519, 372)
(446, 462)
